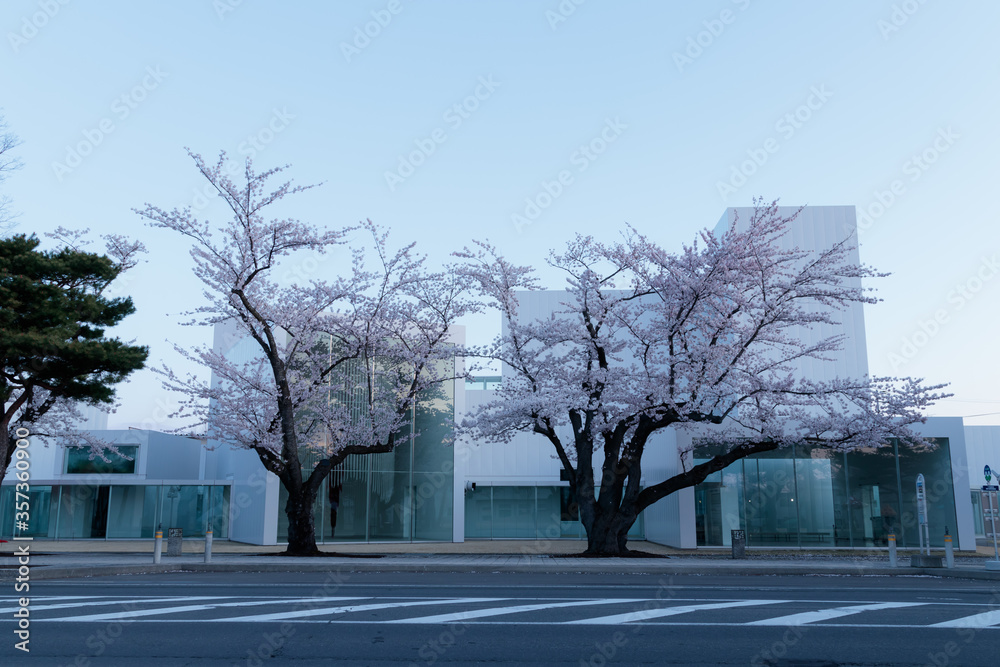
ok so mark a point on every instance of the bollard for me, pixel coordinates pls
(949, 553)
(208, 545)
(892, 550)
(158, 544)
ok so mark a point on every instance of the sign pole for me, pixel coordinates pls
(922, 527)
(994, 511)
(994, 516)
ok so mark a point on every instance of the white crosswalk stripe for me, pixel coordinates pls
(984, 620)
(647, 614)
(836, 612)
(127, 614)
(507, 611)
(498, 611)
(99, 603)
(281, 616)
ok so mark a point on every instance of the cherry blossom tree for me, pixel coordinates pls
(705, 339)
(8, 163)
(340, 363)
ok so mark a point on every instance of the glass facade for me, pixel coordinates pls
(526, 513)
(119, 511)
(83, 461)
(812, 497)
(977, 513)
(406, 495)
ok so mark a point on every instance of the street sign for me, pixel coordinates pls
(921, 501)
(923, 530)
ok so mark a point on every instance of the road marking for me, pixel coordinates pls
(836, 612)
(343, 610)
(125, 615)
(73, 605)
(498, 611)
(69, 605)
(645, 614)
(49, 598)
(983, 620)
(665, 624)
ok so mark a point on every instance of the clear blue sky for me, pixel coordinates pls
(136, 82)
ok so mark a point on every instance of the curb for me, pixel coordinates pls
(49, 573)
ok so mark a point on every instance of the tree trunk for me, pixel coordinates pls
(301, 528)
(7, 446)
(609, 534)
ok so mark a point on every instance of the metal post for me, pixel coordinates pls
(949, 553)
(995, 564)
(892, 550)
(158, 544)
(208, 545)
(994, 511)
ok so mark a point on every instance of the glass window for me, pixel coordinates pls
(934, 463)
(389, 507)
(218, 511)
(41, 515)
(719, 505)
(150, 510)
(770, 512)
(551, 510)
(872, 506)
(186, 507)
(434, 509)
(125, 511)
(83, 511)
(977, 513)
(817, 472)
(82, 461)
(479, 513)
(514, 512)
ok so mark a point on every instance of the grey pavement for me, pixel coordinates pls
(64, 559)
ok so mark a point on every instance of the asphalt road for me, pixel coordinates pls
(488, 619)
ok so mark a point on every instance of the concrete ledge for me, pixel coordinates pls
(923, 560)
(624, 566)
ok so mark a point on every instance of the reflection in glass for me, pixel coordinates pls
(934, 462)
(479, 513)
(125, 511)
(770, 511)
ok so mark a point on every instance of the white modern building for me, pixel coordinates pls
(433, 490)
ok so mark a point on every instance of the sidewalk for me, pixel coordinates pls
(59, 559)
